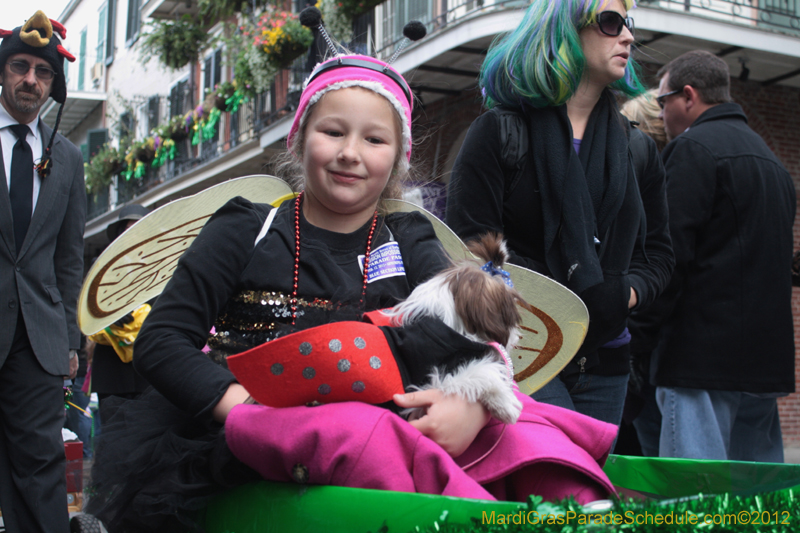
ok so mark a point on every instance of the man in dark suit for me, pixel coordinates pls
(42, 214)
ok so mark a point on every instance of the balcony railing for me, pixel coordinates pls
(233, 129)
(777, 15)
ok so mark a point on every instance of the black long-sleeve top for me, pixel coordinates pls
(483, 196)
(223, 260)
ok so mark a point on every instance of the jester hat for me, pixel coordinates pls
(39, 37)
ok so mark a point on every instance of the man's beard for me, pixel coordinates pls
(27, 99)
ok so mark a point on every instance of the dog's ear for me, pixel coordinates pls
(487, 308)
(490, 247)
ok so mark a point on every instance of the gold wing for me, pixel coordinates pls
(136, 267)
(554, 319)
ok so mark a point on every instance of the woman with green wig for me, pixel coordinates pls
(550, 167)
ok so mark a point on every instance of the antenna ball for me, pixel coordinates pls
(310, 17)
(414, 30)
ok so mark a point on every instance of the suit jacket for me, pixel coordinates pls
(46, 277)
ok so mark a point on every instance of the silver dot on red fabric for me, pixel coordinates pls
(309, 372)
(305, 348)
(343, 365)
(335, 345)
(324, 389)
(360, 343)
(375, 362)
(276, 369)
(358, 386)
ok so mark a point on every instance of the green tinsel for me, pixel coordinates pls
(209, 127)
(166, 152)
(774, 512)
(233, 102)
(127, 173)
(197, 136)
(140, 170)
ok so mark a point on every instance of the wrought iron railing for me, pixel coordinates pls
(390, 16)
(777, 15)
(96, 204)
(233, 130)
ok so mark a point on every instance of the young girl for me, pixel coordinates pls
(253, 270)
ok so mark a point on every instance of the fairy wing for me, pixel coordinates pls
(137, 266)
(554, 319)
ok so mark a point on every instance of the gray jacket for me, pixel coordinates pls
(46, 277)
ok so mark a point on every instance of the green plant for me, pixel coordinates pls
(102, 167)
(338, 24)
(175, 43)
(353, 8)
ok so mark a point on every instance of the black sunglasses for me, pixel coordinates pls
(611, 23)
(22, 68)
(661, 98)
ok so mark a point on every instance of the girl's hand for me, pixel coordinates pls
(450, 421)
(235, 395)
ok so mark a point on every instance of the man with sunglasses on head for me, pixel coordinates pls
(725, 349)
(42, 214)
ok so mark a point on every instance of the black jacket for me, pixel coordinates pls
(726, 315)
(485, 195)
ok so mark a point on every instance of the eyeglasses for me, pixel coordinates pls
(611, 23)
(22, 68)
(661, 98)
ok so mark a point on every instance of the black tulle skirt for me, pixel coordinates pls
(156, 468)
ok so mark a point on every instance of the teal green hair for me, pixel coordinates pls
(541, 62)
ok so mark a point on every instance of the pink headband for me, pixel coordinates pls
(356, 71)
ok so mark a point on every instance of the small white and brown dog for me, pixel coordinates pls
(476, 299)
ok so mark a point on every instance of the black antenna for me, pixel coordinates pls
(311, 17)
(413, 31)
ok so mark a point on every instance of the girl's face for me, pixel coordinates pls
(352, 141)
(606, 56)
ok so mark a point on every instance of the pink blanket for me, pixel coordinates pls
(551, 452)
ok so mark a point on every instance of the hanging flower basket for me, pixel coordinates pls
(272, 44)
(287, 53)
(175, 43)
(222, 93)
(144, 151)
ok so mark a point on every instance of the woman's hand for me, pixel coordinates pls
(633, 300)
(450, 421)
(235, 395)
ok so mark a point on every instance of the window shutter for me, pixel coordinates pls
(95, 139)
(101, 35)
(82, 61)
(110, 33)
(152, 111)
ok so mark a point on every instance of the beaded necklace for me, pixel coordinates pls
(297, 255)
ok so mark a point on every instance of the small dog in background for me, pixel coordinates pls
(478, 301)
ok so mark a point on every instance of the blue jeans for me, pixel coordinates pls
(722, 425)
(601, 397)
(77, 421)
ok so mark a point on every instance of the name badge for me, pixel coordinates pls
(384, 262)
